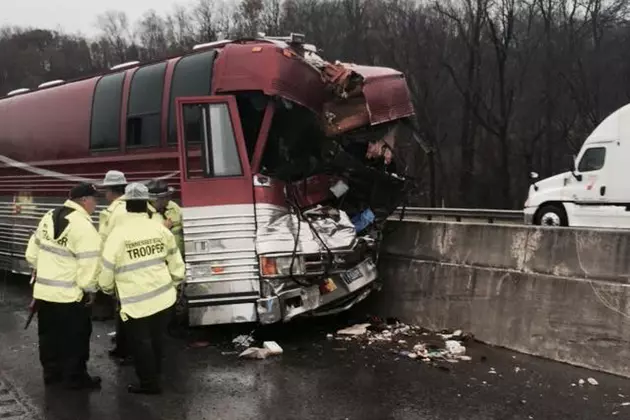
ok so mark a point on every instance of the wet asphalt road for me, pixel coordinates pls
(315, 378)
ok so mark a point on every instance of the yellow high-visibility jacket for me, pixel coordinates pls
(142, 262)
(107, 217)
(66, 265)
(173, 212)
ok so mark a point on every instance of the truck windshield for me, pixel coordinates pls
(593, 159)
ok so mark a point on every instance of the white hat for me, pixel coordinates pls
(113, 179)
(136, 191)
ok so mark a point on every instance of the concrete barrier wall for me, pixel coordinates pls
(557, 293)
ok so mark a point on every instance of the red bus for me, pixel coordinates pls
(281, 161)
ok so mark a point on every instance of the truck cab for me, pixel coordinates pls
(595, 191)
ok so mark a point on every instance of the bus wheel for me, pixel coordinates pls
(551, 215)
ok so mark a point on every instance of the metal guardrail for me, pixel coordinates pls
(459, 215)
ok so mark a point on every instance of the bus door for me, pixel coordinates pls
(222, 281)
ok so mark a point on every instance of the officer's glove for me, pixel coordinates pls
(89, 299)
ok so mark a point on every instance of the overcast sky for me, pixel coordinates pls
(74, 15)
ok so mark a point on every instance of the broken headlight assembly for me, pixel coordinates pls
(281, 266)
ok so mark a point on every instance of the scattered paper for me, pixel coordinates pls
(255, 353)
(273, 347)
(359, 329)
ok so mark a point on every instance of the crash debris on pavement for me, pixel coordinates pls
(408, 340)
(269, 348)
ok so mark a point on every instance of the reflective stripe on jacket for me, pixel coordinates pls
(174, 213)
(142, 262)
(66, 265)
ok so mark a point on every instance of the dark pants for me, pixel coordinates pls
(146, 337)
(122, 341)
(64, 331)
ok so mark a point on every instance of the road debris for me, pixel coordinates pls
(455, 347)
(243, 340)
(592, 381)
(255, 353)
(408, 341)
(625, 404)
(273, 347)
(359, 329)
(581, 382)
(200, 344)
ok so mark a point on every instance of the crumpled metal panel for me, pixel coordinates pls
(383, 97)
(355, 95)
(387, 99)
(278, 236)
(343, 116)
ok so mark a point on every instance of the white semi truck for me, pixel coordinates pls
(596, 191)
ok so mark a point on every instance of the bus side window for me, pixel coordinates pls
(192, 77)
(145, 106)
(105, 123)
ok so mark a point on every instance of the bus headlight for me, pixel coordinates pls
(281, 266)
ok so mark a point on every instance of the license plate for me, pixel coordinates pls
(352, 275)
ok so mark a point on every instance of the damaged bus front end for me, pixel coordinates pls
(326, 173)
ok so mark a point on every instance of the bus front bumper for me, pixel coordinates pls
(338, 293)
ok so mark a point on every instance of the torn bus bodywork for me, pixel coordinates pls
(324, 172)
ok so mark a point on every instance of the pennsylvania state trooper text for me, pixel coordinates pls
(144, 248)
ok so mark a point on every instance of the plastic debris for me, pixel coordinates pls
(339, 189)
(112, 334)
(243, 340)
(362, 220)
(329, 336)
(625, 404)
(581, 382)
(255, 353)
(454, 347)
(592, 381)
(359, 329)
(273, 347)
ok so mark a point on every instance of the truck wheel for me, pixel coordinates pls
(551, 215)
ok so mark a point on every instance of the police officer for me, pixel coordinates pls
(114, 185)
(166, 210)
(64, 251)
(141, 261)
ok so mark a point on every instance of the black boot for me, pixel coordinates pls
(52, 378)
(85, 382)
